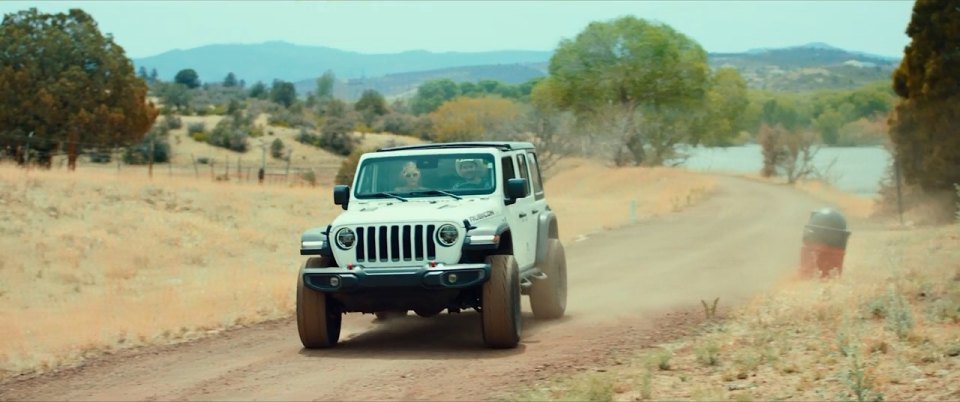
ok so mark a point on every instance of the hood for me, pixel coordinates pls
(416, 210)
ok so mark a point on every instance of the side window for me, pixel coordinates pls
(524, 173)
(535, 174)
(508, 174)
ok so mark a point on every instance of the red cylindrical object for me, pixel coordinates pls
(820, 259)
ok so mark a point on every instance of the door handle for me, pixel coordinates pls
(523, 215)
(535, 211)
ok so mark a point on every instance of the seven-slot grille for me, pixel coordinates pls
(388, 243)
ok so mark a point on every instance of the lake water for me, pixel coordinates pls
(857, 170)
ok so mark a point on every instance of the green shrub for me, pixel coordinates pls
(397, 123)
(200, 136)
(708, 354)
(172, 122)
(276, 148)
(198, 127)
(139, 154)
(348, 167)
(229, 137)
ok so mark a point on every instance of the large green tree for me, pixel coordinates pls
(371, 105)
(187, 77)
(431, 94)
(68, 84)
(924, 129)
(653, 77)
(283, 92)
(726, 103)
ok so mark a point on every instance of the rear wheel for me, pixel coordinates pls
(318, 321)
(500, 303)
(548, 297)
(428, 313)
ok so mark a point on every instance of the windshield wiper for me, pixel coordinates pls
(385, 195)
(435, 192)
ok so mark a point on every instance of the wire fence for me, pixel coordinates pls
(33, 153)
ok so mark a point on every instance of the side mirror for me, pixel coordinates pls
(341, 195)
(517, 188)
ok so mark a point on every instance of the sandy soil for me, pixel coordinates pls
(628, 288)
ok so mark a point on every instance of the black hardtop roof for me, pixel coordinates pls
(504, 145)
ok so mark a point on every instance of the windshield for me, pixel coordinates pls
(414, 176)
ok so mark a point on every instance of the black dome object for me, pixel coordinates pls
(826, 226)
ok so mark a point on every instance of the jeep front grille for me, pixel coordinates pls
(393, 243)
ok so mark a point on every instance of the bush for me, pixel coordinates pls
(201, 136)
(349, 166)
(276, 148)
(229, 137)
(288, 119)
(139, 154)
(172, 122)
(198, 127)
(397, 123)
(335, 138)
(100, 156)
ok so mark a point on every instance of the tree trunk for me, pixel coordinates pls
(72, 150)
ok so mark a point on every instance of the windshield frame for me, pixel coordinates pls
(434, 156)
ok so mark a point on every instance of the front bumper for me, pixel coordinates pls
(439, 277)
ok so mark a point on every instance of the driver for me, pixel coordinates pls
(473, 172)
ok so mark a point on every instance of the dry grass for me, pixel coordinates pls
(99, 260)
(888, 328)
(589, 197)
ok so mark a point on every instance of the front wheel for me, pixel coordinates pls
(318, 322)
(548, 297)
(500, 303)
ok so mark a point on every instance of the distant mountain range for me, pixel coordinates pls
(810, 66)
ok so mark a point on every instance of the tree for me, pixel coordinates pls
(431, 94)
(648, 72)
(68, 84)
(276, 148)
(188, 77)
(924, 126)
(469, 119)
(371, 105)
(230, 80)
(142, 73)
(325, 85)
(174, 94)
(258, 90)
(726, 103)
(154, 76)
(283, 92)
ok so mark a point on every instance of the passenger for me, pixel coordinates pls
(410, 177)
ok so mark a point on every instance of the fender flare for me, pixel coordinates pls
(547, 228)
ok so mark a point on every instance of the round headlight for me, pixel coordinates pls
(447, 235)
(345, 238)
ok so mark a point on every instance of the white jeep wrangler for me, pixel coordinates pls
(436, 227)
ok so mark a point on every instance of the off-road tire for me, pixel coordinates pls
(500, 303)
(318, 321)
(548, 297)
(389, 315)
(428, 313)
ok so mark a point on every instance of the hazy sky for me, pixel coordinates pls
(146, 28)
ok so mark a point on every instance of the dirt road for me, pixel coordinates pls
(628, 289)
